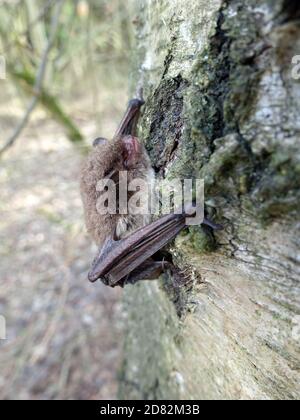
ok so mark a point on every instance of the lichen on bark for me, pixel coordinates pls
(221, 105)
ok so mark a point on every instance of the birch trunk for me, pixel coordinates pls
(223, 104)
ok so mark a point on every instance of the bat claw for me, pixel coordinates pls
(212, 225)
(136, 103)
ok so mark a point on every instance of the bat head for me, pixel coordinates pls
(124, 153)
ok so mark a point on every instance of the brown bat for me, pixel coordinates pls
(127, 242)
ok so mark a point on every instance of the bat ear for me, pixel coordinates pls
(131, 150)
(99, 140)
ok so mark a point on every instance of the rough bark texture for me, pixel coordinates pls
(222, 105)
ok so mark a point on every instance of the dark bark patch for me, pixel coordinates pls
(290, 10)
(167, 122)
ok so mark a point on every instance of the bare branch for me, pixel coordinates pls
(39, 79)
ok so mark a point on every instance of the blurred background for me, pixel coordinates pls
(64, 77)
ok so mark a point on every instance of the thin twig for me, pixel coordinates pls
(39, 79)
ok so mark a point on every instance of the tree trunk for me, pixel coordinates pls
(221, 105)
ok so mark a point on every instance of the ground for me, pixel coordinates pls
(64, 335)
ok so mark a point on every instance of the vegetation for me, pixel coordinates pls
(57, 49)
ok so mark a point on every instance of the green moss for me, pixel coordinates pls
(202, 240)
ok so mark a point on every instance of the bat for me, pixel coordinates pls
(128, 243)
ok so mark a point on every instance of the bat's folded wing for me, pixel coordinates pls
(119, 258)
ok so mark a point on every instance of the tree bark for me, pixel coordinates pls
(221, 105)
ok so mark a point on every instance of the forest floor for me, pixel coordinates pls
(64, 335)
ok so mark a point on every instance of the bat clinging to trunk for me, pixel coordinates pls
(127, 242)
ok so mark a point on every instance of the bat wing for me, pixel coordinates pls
(119, 258)
(152, 238)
